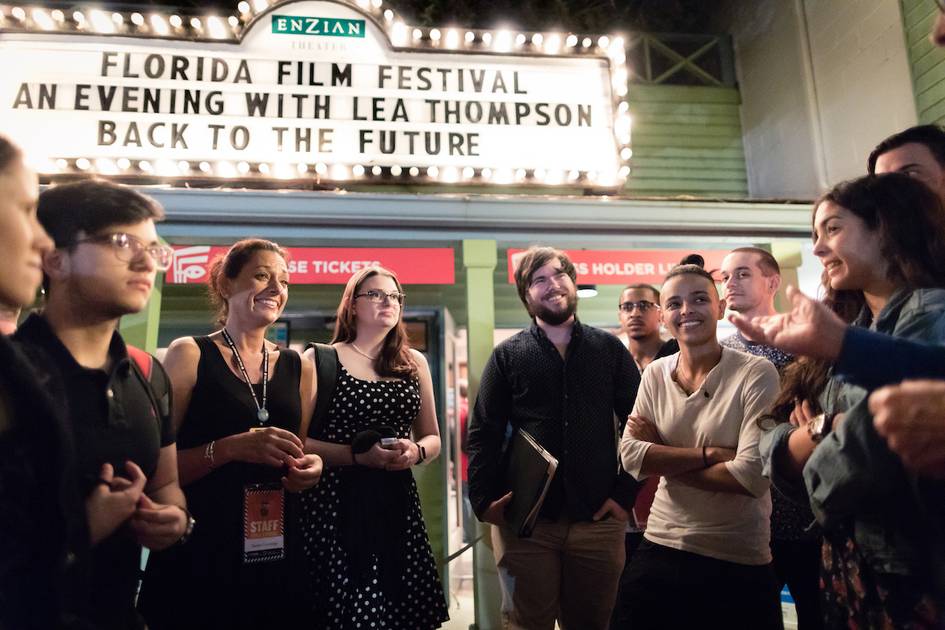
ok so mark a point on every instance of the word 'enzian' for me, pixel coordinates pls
(326, 27)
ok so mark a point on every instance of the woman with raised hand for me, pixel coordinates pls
(241, 405)
(365, 538)
(881, 240)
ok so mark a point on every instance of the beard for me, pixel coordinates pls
(555, 317)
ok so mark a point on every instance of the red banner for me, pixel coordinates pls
(329, 265)
(625, 267)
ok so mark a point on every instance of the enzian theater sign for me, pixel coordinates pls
(324, 91)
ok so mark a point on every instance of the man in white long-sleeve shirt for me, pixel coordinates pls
(705, 558)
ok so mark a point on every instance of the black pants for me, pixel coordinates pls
(797, 564)
(619, 617)
(667, 589)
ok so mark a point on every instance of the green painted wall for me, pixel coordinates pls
(687, 140)
(926, 62)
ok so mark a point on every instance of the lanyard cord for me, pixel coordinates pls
(262, 414)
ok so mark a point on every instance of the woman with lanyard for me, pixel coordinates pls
(240, 405)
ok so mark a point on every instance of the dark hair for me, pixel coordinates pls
(91, 205)
(534, 259)
(767, 262)
(643, 286)
(9, 152)
(394, 358)
(804, 379)
(909, 221)
(229, 265)
(930, 136)
(694, 265)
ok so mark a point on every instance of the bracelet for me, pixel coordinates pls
(208, 454)
(705, 460)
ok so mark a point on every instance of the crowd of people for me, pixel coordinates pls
(211, 459)
(788, 453)
(696, 477)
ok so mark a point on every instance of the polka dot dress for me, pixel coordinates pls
(341, 601)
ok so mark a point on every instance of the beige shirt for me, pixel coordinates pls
(723, 412)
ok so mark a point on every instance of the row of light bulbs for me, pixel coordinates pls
(334, 172)
(230, 28)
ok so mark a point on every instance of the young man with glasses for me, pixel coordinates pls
(570, 386)
(105, 260)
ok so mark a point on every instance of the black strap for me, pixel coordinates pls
(326, 365)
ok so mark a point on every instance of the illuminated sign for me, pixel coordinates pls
(328, 265)
(648, 266)
(312, 90)
(305, 25)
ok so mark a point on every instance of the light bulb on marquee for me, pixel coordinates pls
(159, 25)
(42, 19)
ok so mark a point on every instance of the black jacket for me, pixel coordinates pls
(575, 407)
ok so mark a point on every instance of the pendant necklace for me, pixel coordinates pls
(262, 414)
(361, 352)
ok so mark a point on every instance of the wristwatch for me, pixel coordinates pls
(819, 426)
(422, 452)
(188, 529)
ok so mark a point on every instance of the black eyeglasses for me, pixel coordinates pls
(379, 297)
(643, 305)
(128, 248)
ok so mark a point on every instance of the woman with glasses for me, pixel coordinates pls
(240, 405)
(366, 542)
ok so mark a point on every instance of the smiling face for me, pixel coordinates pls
(691, 309)
(259, 292)
(92, 277)
(848, 249)
(551, 295)
(22, 239)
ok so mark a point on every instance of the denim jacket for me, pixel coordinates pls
(852, 478)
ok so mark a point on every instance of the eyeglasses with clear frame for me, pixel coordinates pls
(643, 306)
(128, 248)
(379, 297)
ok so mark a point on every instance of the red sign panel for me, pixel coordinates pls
(625, 267)
(329, 265)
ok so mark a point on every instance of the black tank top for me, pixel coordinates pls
(211, 563)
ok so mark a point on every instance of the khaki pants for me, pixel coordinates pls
(566, 572)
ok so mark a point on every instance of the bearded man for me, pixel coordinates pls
(571, 387)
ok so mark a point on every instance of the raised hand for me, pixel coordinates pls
(809, 328)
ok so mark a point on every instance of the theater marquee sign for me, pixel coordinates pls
(330, 91)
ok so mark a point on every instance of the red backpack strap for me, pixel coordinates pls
(142, 359)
